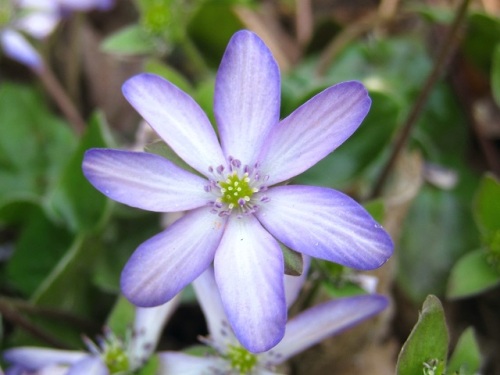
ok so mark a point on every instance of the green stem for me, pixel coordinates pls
(449, 44)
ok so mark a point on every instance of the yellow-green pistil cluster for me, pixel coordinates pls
(236, 191)
(115, 357)
(241, 359)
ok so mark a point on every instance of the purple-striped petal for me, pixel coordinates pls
(249, 273)
(177, 119)
(314, 130)
(322, 321)
(34, 358)
(326, 224)
(208, 297)
(172, 363)
(89, 365)
(247, 96)
(17, 48)
(144, 180)
(163, 265)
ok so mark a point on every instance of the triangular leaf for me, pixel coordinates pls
(427, 345)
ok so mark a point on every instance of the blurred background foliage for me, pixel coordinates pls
(63, 244)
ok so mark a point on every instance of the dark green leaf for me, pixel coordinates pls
(38, 249)
(68, 286)
(495, 75)
(427, 343)
(466, 357)
(75, 201)
(436, 233)
(121, 318)
(484, 28)
(34, 145)
(487, 206)
(471, 275)
(210, 40)
(294, 264)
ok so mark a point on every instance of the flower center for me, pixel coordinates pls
(241, 359)
(112, 351)
(235, 190)
(116, 359)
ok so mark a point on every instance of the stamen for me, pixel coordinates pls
(237, 187)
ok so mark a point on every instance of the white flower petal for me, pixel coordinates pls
(249, 273)
(322, 321)
(313, 131)
(148, 327)
(326, 224)
(175, 363)
(90, 365)
(38, 24)
(177, 119)
(163, 265)
(35, 358)
(144, 180)
(247, 96)
(17, 48)
(207, 293)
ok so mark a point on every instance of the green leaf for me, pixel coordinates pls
(151, 367)
(486, 206)
(435, 13)
(360, 150)
(75, 201)
(428, 341)
(67, 289)
(495, 75)
(376, 208)
(34, 144)
(38, 249)
(483, 33)
(68, 286)
(121, 318)
(471, 275)
(466, 358)
(131, 40)
(437, 231)
(210, 40)
(294, 263)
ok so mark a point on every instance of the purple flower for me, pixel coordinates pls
(37, 18)
(238, 208)
(111, 356)
(302, 331)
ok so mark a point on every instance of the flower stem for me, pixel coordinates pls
(9, 312)
(448, 47)
(61, 98)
